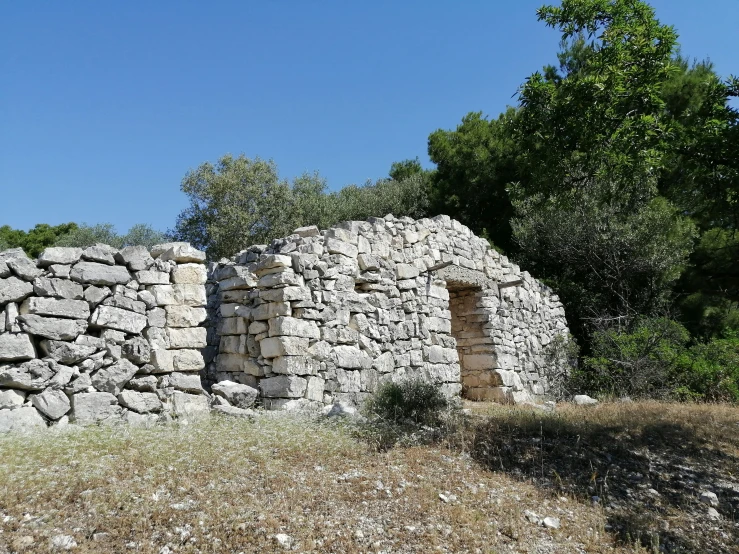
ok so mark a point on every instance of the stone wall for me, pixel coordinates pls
(325, 316)
(99, 334)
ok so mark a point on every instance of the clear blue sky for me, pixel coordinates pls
(104, 106)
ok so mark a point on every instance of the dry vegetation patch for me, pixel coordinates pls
(645, 463)
(277, 483)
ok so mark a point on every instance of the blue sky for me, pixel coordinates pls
(104, 106)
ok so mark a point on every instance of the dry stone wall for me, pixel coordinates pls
(325, 316)
(101, 335)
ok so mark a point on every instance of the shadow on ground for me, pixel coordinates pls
(645, 467)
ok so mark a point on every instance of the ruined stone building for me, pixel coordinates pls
(103, 335)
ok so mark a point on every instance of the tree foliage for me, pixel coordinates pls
(34, 241)
(241, 201)
(88, 235)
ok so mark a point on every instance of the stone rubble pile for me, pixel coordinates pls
(322, 317)
(101, 335)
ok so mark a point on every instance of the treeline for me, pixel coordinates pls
(615, 179)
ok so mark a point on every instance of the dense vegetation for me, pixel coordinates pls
(615, 179)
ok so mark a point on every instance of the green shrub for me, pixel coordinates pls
(412, 401)
(710, 371)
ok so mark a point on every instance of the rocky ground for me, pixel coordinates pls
(603, 478)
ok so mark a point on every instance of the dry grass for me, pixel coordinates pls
(226, 486)
(647, 463)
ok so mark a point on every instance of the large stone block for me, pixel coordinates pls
(51, 327)
(66, 352)
(20, 420)
(16, 347)
(183, 294)
(351, 357)
(58, 288)
(24, 267)
(186, 382)
(188, 360)
(193, 274)
(113, 378)
(162, 361)
(335, 246)
(189, 405)
(185, 316)
(10, 399)
(283, 386)
(13, 289)
(241, 396)
(94, 407)
(137, 258)
(118, 318)
(99, 274)
(295, 365)
(33, 375)
(140, 402)
(314, 389)
(283, 346)
(56, 307)
(406, 271)
(271, 310)
(152, 277)
(52, 403)
(438, 355)
(291, 326)
(59, 255)
(193, 337)
(180, 252)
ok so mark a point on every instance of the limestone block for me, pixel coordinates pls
(59, 271)
(180, 252)
(285, 294)
(245, 281)
(10, 399)
(439, 355)
(99, 274)
(24, 267)
(241, 396)
(147, 298)
(283, 346)
(137, 258)
(291, 326)
(66, 352)
(162, 361)
(140, 402)
(335, 246)
(348, 380)
(351, 357)
(314, 389)
(20, 420)
(233, 344)
(51, 403)
(190, 295)
(4, 270)
(186, 382)
(283, 386)
(273, 261)
(193, 274)
(271, 310)
(188, 360)
(137, 350)
(258, 327)
(59, 288)
(232, 326)
(368, 262)
(56, 307)
(308, 231)
(384, 363)
(13, 289)
(152, 277)
(82, 383)
(125, 303)
(59, 255)
(295, 365)
(101, 253)
(156, 317)
(16, 347)
(114, 377)
(118, 318)
(285, 278)
(94, 407)
(189, 405)
(9, 318)
(52, 328)
(147, 383)
(406, 271)
(185, 316)
(193, 337)
(33, 375)
(158, 338)
(94, 295)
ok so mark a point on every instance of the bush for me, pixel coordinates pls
(710, 371)
(412, 401)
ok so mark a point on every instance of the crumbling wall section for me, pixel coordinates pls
(101, 335)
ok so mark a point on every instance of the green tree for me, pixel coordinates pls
(104, 233)
(34, 241)
(475, 164)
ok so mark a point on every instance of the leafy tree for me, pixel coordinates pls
(475, 165)
(34, 241)
(239, 201)
(105, 233)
